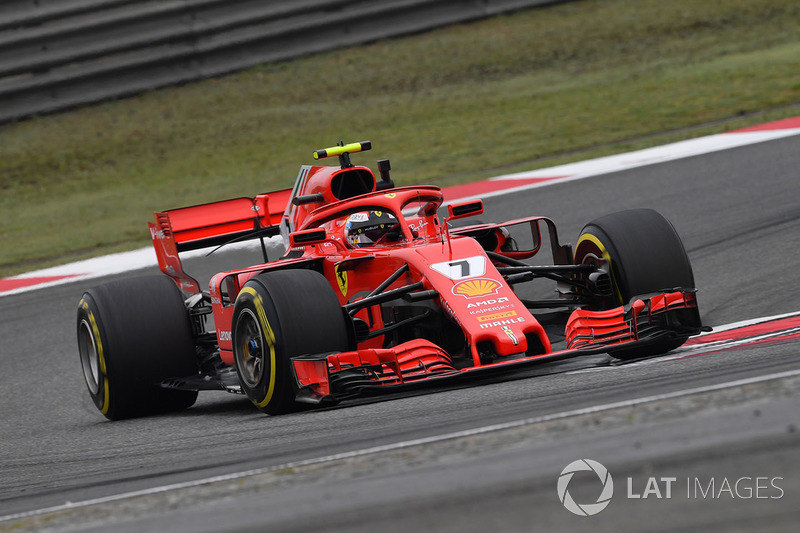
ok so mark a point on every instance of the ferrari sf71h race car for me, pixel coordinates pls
(375, 292)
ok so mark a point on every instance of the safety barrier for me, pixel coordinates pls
(58, 54)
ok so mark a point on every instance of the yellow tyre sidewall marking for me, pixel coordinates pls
(258, 303)
(100, 354)
(599, 245)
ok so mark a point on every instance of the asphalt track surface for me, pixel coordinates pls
(738, 212)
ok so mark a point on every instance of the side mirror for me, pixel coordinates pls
(307, 236)
(464, 209)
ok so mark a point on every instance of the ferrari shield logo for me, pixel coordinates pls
(341, 279)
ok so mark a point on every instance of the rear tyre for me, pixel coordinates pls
(279, 315)
(646, 255)
(132, 335)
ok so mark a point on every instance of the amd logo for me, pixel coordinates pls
(492, 301)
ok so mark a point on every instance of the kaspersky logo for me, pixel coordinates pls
(606, 492)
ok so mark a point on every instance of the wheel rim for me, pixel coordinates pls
(593, 252)
(90, 359)
(249, 348)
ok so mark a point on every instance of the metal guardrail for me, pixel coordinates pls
(59, 54)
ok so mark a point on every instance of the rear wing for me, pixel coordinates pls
(213, 224)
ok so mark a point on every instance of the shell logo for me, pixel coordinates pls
(474, 288)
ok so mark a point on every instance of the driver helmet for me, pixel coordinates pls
(366, 227)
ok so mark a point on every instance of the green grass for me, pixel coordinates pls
(517, 92)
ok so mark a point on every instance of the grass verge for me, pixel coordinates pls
(511, 93)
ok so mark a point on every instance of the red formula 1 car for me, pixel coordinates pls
(375, 292)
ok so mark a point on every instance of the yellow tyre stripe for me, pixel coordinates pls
(258, 302)
(101, 356)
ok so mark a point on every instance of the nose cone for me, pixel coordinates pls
(476, 296)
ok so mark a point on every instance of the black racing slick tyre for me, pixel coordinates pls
(279, 315)
(132, 335)
(646, 256)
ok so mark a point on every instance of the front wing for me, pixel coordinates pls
(328, 378)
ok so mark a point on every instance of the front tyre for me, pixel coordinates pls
(279, 315)
(132, 335)
(645, 255)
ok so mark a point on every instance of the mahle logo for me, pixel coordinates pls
(585, 509)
